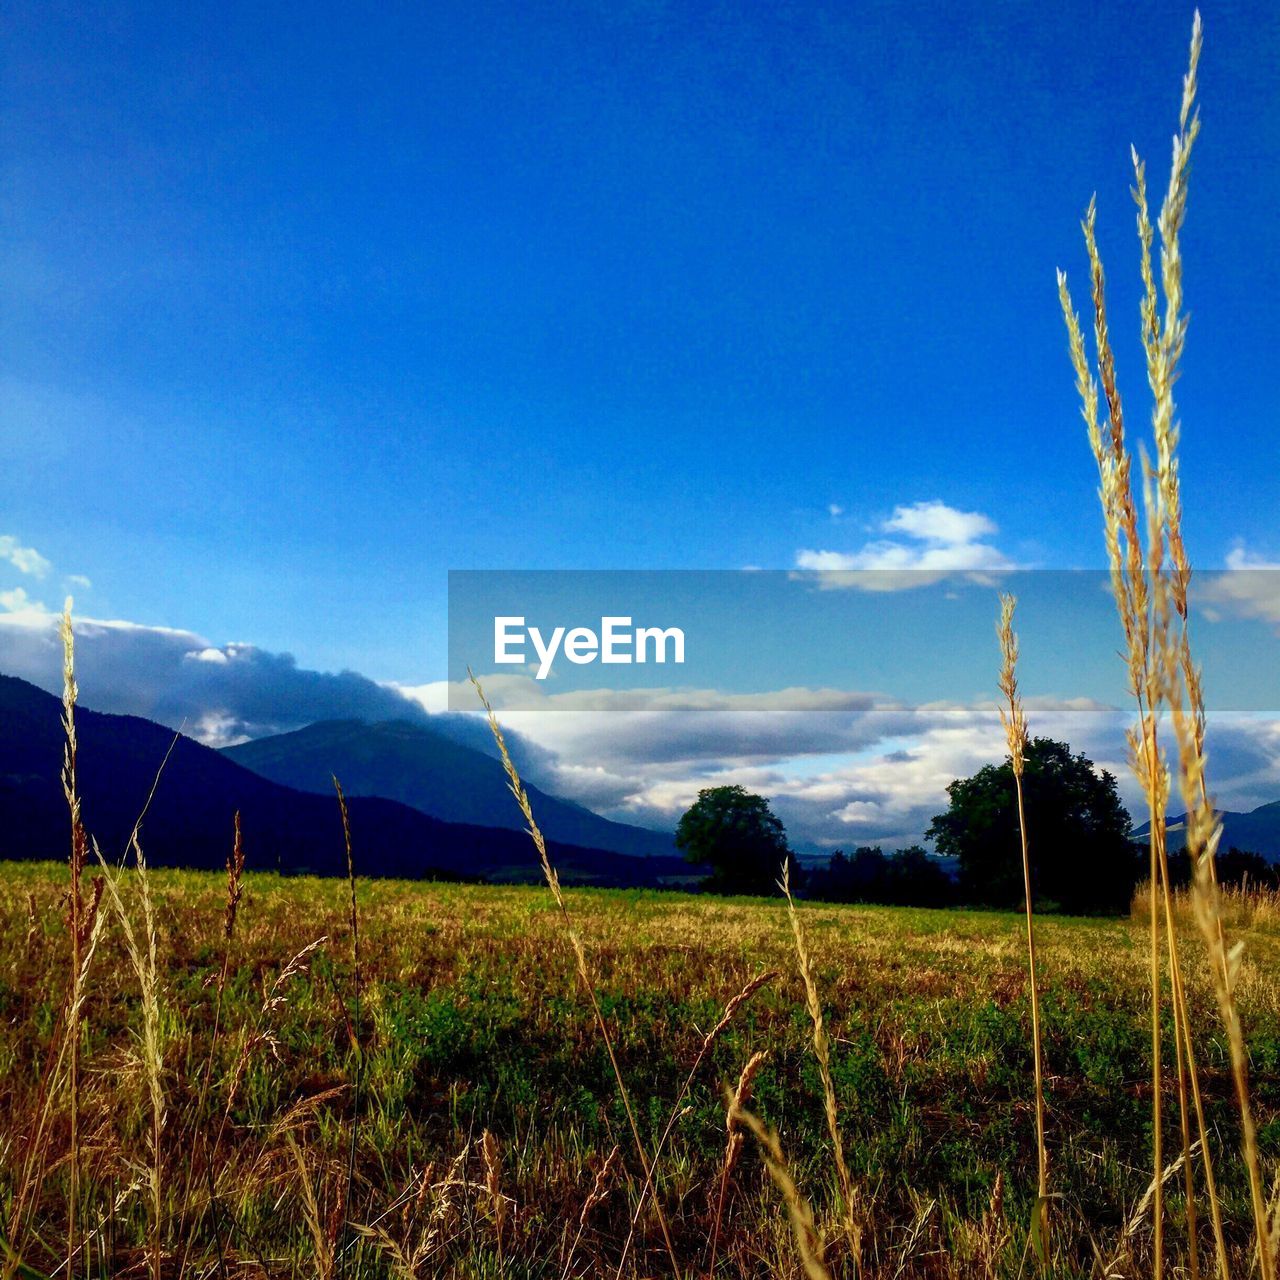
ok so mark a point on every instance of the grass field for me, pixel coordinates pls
(470, 1022)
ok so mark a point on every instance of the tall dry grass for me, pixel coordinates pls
(1241, 907)
(1151, 579)
(585, 977)
(808, 1241)
(822, 1053)
(734, 1143)
(140, 938)
(79, 915)
(353, 920)
(1014, 719)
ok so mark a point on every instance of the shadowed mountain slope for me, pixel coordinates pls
(419, 766)
(189, 820)
(1257, 831)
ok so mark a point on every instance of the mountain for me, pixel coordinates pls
(421, 767)
(1257, 831)
(189, 820)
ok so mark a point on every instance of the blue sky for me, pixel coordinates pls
(306, 306)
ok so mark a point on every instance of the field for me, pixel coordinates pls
(470, 1022)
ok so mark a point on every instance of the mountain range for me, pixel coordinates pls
(422, 803)
(1257, 831)
(188, 814)
(418, 766)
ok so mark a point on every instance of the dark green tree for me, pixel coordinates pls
(914, 879)
(737, 835)
(846, 879)
(909, 878)
(1236, 867)
(1082, 858)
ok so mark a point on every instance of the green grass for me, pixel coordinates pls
(472, 1020)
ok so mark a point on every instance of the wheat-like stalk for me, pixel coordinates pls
(1172, 589)
(1151, 591)
(822, 1052)
(75, 920)
(579, 951)
(1144, 665)
(600, 1188)
(808, 1243)
(708, 1043)
(733, 1145)
(322, 1250)
(1014, 719)
(354, 922)
(85, 922)
(141, 947)
(1129, 585)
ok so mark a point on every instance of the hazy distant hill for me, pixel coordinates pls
(1257, 831)
(420, 766)
(189, 821)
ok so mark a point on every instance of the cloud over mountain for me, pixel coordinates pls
(220, 694)
(841, 767)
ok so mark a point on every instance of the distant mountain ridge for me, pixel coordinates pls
(189, 820)
(1257, 831)
(435, 774)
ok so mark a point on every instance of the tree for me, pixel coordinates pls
(738, 836)
(846, 879)
(1236, 868)
(1082, 857)
(914, 879)
(909, 877)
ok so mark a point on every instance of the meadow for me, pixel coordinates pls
(489, 1138)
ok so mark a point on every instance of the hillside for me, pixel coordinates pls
(1257, 831)
(421, 767)
(189, 820)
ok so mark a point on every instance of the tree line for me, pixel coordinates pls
(1084, 858)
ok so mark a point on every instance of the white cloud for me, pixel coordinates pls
(224, 692)
(937, 523)
(217, 729)
(1239, 558)
(928, 540)
(431, 697)
(218, 656)
(18, 609)
(835, 510)
(839, 767)
(218, 693)
(25, 559)
(826, 561)
(14, 600)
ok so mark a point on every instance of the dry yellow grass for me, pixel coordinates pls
(1151, 581)
(1014, 719)
(930, 1058)
(822, 1053)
